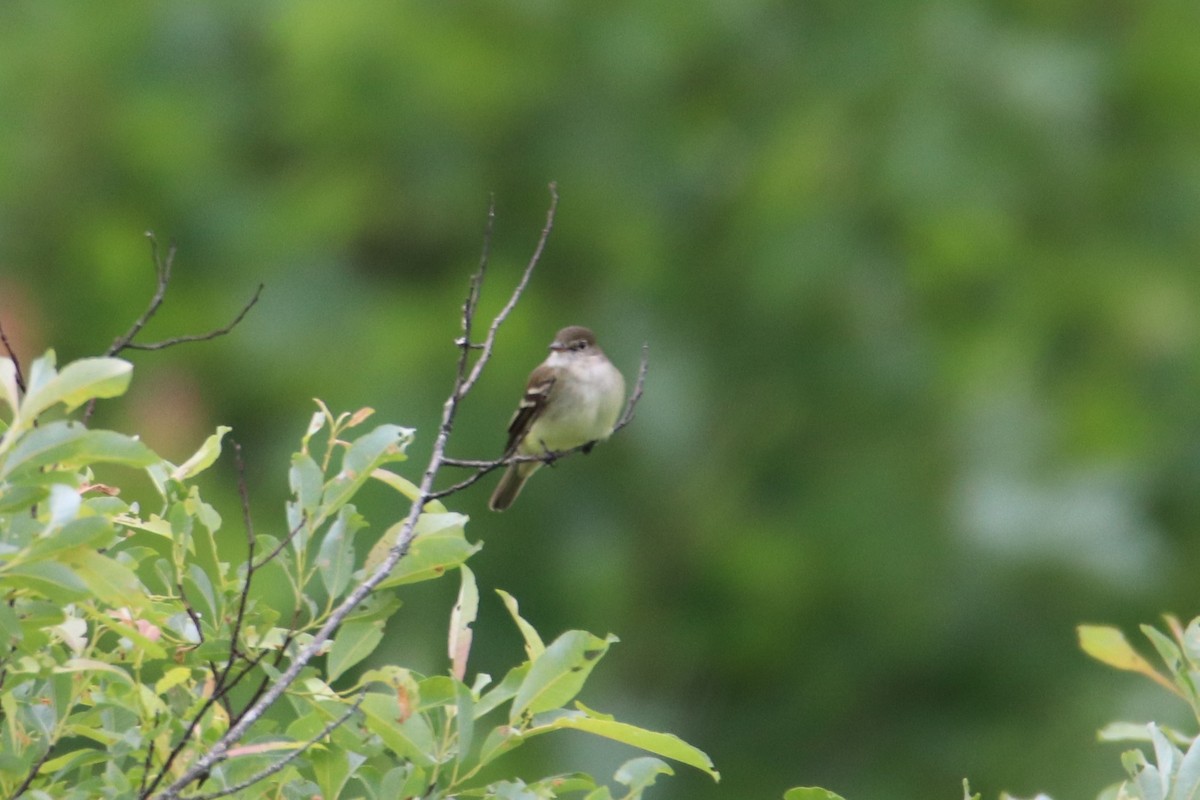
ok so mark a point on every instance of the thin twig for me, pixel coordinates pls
(466, 384)
(219, 750)
(200, 337)
(162, 271)
(12, 354)
(33, 771)
(148, 760)
(639, 386)
(284, 542)
(475, 288)
(283, 762)
(248, 525)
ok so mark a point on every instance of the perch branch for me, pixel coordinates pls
(464, 381)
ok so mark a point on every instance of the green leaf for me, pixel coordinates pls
(335, 559)
(640, 773)
(533, 642)
(1187, 778)
(503, 691)
(332, 768)
(405, 734)
(82, 531)
(810, 793)
(438, 546)
(10, 393)
(108, 580)
(49, 579)
(90, 665)
(558, 675)
(19, 498)
(354, 642)
(499, 741)
(72, 445)
(1109, 646)
(203, 458)
(660, 744)
(1168, 651)
(77, 383)
(306, 481)
(464, 720)
(385, 443)
(461, 619)
(404, 486)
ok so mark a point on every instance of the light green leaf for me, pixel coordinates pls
(9, 391)
(640, 773)
(533, 642)
(77, 383)
(1187, 778)
(461, 619)
(464, 720)
(171, 678)
(83, 531)
(354, 642)
(499, 741)
(1109, 645)
(660, 744)
(809, 793)
(306, 482)
(203, 458)
(558, 675)
(503, 691)
(108, 580)
(335, 559)
(332, 768)
(72, 445)
(405, 487)
(92, 665)
(438, 546)
(385, 443)
(49, 579)
(406, 734)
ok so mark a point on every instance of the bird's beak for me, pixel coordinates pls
(555, 347)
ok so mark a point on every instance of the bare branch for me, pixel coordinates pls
(200, 337)
(162, 271)
(466, 383)
(639, 386)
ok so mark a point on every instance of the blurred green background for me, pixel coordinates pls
(919, 279)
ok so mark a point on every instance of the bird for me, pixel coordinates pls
(572, 399)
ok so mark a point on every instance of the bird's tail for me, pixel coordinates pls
(510, 484)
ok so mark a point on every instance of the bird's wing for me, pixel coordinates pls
(537, 392)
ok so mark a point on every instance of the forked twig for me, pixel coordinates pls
(162, 272)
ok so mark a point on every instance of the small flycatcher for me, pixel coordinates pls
(573, 398)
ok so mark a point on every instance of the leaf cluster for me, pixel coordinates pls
(131, 644)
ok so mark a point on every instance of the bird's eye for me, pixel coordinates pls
(578, 344)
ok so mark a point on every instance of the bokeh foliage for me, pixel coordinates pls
(919, 279)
